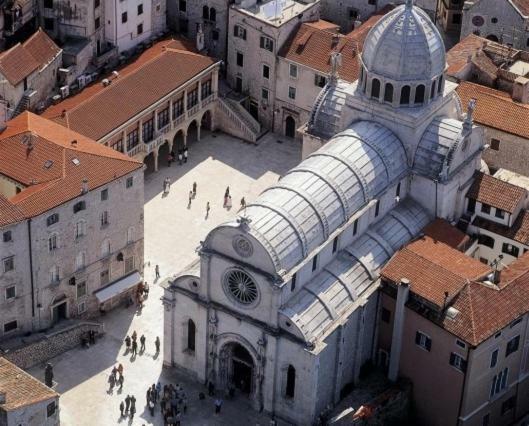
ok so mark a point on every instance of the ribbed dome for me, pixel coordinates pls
(405, 45)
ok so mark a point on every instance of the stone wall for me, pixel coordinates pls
(50, 345)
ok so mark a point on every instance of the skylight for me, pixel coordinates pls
(76, 161)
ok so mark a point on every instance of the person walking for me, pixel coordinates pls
(133, 402)
(134, 347)
(157, 271)
(194, 189)
(185, 154)
(127, 403)
(207, 209)
(112, 382)
(157, 344)
(132, 412)
(148, 396)
(243, 203)
(114, 372)
(180, 157)
(121, 408)
(169, 159)
(134, 336)
(120, 381)
(227, 192)
(142, 341)
(151, 407)
(228, 202)
(218, 405)
(127, 343)
(190, 198)
(158, 390)
(153, 393)
(120, 369)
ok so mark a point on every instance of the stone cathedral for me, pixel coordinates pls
(282, 303)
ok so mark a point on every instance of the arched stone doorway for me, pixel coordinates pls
(290, 127)
(149, 163)
(492, 37)
(206, 120)
(192, 132)
(178, 142)
(237, 368)
(163, 154)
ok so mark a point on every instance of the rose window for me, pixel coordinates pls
(241, 287)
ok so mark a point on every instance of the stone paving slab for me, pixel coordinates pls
(172, 233)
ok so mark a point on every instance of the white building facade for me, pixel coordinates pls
(282, 302)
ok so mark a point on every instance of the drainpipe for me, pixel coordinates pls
(463, 387)
(403, 290)
(31, 271)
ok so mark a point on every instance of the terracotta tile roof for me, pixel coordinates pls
(41, 47)
(48, 169)
(312, 46)
(433, 268)
(16, 64)
(21, 388)
(485, 65)
(441, 230)
(519, 231)
(495, 192)
(9, 213)
(98, 110)
(21, 60)
(457, 56)
(496, 109)
(523, 6)
(483, 310)
(323, 25)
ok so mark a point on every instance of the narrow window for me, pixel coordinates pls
(212, 14)
(355, 227)
(512, 346)
(314, 263)
(388, 93)
(375, 88)
(7, 236)
(432, 92)
(495, 144)
(440, 85)
(397, 192)
(423, 341)
(386, 315)
(405, 95)
(205, 12)
(335, 244)
(494, 358)
(240, 59)
(104, 195)
(124, 17)
(266, 71)
(419, 94)
(471, 207)
(485, 208)
(191, 331)
(291, 382)
(140, 9)
(377, 208)
(293, 282)
(129, 182)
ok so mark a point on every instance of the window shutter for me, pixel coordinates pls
(235, 32)
(463, 365)
(417, 338)
(428, 344)
(452, 358)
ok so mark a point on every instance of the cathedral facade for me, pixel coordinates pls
(282, 303)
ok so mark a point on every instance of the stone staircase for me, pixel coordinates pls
(236, 121)
(24, 102)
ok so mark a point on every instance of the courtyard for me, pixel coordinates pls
(173, 231)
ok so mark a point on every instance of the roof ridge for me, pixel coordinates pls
(97, 154)
(124, 78)
(471, 306)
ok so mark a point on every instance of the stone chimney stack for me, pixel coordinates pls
(403, 291)
(520, 90)
(84, 186)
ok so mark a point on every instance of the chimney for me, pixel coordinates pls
(63, 113)
(74, 143)
(520, 90)
(403, 290)
(84, 186)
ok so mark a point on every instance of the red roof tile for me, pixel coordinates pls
(441, 230)
(496, 192)
(21, 389)
(46, 166)
(98, 110)
(519, 231)
(16, 64)
(523, 6)
(9, 213)
(433, 268)
(41, 47)
(457, 56)
(496, 109)
(324, 25)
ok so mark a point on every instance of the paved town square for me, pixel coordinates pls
(173, 230)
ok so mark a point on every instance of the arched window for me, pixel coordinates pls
(388, 93)
(362, 74)
(80, 260)
(375, 88)
(130, 235)
(212, 14)
(405, 95)
(291, 382)
(419, 94)
(397, 191)
(364, 88)
(205, 12)
(191, 331)
(432, 92)
(440, 85)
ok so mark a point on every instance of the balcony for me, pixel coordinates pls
(193, 110)
(208, 99)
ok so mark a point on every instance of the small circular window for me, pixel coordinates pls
(494, 20)
(240, 287)
(242, 246)
(478, 21)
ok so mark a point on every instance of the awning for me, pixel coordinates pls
(118, 287)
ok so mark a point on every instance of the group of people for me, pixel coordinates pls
(128, 407)
(142, 291)
(114, 379)
(172, 399)
(182, 157)
(131, 343)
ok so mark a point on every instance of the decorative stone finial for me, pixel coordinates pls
(409, 4)
(470, 110)
(336, 62)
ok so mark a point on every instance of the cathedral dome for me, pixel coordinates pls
(405, 45)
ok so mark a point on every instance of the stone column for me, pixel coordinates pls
(155, 115)
(185, 101)
(199, 88)
(124, 137)
(398, 327)
(155, 154)
(184, 134)
(199, 125)
(215, 80)
(140, 130)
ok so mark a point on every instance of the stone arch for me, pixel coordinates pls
(375, 88)
(213, 14)
(493, 37)
(419, 94)
(193, 132)
(163, 152)
(149, 163)
(179, 141)
(405, 95)
(206, 121)
(388, 92)
(205, 12)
